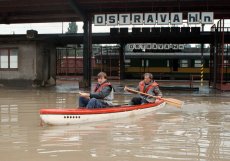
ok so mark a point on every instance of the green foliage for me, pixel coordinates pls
(72, 27)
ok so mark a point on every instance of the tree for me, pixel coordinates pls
(72, 27)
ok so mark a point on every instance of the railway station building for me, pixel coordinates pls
(35, 59)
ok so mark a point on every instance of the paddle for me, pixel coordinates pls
(171, 101)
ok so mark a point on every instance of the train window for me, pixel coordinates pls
(225, 61)
(168, 63)
(197, 64)
(147, 63)
(184, 63)
(127, 61)
(98, 61)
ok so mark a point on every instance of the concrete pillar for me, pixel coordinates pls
(122, 61)
(45, 65)
(87, 52)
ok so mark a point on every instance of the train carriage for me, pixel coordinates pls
(164, 64)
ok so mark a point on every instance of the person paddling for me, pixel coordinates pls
(102, 95)
(149, 86)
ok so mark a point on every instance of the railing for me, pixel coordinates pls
(192, 79)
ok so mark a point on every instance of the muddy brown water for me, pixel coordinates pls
(198, 131)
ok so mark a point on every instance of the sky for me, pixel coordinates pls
(58, 28)
(45, 28)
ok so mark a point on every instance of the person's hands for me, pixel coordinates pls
(82, 94)
(158, 97)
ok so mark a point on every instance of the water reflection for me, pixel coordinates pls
(198, 131)
(108, 139)
(9, 113)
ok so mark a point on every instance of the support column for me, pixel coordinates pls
(202, 65)
(202, 62)
(215, 58)
(122, 61)
(87, 51)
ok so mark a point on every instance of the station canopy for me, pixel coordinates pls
(35, 11)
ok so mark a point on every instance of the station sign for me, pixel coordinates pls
(175, 18)
(155, 46)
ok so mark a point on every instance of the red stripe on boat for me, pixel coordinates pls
(98, 110)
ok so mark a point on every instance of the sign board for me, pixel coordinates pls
(155, 46)
(174, 18)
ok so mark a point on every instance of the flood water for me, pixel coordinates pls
(198, 131)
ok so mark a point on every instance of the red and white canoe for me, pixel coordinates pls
(79, 116)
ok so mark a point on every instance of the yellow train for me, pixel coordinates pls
(163, 65)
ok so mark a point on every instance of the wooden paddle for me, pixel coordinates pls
(171, 101)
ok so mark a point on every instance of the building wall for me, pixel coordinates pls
(36, 64)
(26, 62)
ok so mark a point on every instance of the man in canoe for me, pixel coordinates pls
(149, 86)
(102, 95)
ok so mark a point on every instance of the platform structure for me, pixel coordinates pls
(220, 58)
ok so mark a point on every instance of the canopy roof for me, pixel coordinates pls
(34, 11)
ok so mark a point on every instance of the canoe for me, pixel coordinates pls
(80, 116)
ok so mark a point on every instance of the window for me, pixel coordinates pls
(197, 64)
(142, 63)
(225, 61)
(127, 62)
(147, 63)
(98, 61)
(8, 58)
(168, 63)
(4, 59)
(13, 58)
(184, 63)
